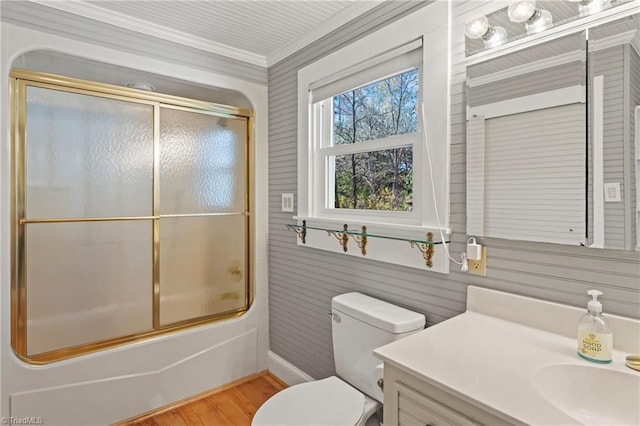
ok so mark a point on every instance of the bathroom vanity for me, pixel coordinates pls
(509, 360)
(411, 400)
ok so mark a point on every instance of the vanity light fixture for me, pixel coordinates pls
(526, 12)
(479, 28)
(589, 7)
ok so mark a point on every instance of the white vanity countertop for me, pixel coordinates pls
(489, 361)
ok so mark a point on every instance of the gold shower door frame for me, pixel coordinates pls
(20, 79)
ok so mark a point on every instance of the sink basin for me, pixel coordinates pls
(591, 395)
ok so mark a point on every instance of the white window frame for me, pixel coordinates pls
(432, 25)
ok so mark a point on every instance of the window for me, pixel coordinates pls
(362, 144)
(368, 150)
(367, 133)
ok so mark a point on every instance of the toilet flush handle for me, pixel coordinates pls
(335, 317)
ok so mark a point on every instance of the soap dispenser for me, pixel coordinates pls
(595, 338)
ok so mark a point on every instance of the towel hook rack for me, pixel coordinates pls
(301, 231)
(342, 236)
(361, 240)
(426, 249)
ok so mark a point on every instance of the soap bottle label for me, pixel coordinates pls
(594, 346)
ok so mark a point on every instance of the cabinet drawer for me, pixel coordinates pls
(415, 408)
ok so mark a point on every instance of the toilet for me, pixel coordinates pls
(360, 324)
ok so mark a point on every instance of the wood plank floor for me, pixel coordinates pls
(231, 405)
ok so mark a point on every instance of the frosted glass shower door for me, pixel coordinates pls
(130, 214)
(86, 215)
(203, 215)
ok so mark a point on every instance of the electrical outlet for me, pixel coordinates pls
(479, 267)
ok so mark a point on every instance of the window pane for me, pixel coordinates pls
(378, 110)
(377, 180)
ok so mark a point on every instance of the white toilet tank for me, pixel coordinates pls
(360, 324)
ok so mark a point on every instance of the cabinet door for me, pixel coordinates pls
(415, 408)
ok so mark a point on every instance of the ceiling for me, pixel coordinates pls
(261, 32)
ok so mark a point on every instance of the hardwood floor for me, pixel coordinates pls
(231, 405)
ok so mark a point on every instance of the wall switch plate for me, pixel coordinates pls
(612, 192)
(287, 202)
(479, 267)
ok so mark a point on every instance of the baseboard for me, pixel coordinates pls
(285, 371)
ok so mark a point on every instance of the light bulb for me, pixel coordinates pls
(522, 10)
(540, 23)
(497, 37)
(477, 28)
(590, 7)
(526, 12)
(480, 28)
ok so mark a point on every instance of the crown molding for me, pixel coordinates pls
(628, 37)
(91, 11)
(335, 22)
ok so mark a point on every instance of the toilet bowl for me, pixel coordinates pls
(360, 324)
(329, 402)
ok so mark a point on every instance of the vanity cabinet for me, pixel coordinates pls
(493, 365)
(409, 401)
(415, 408)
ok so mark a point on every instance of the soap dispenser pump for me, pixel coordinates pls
(595, 338)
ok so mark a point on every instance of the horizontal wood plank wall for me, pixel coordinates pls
(302, 281)
(548, 79)
(47, 19)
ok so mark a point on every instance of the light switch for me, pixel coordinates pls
(612, 192)
(287, 202)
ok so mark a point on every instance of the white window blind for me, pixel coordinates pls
(534, 170)
(384, 65)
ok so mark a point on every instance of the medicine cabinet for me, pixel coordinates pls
(552, 150)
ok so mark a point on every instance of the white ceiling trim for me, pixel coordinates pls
(612, 41)
(114, 18)
(323, 29)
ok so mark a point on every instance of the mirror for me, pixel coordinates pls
(614, 97)
(551, 140)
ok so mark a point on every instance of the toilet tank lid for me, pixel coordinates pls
(378, 313)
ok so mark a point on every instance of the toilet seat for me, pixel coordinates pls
(324, 402)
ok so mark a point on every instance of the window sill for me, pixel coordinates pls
(393, 243)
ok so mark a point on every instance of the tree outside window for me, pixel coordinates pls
(377, 179)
